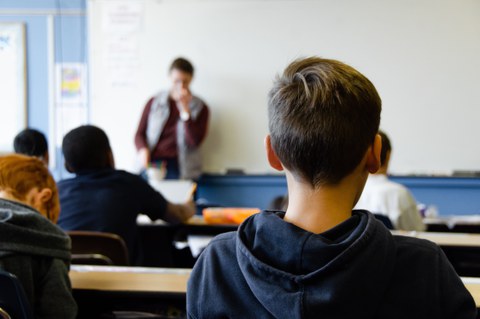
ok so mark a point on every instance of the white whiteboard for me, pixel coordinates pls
(12, 83)
(422, 55)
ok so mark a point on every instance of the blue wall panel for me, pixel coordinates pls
(451, 196)
(70, 39)
(70, 45)
(42, 4)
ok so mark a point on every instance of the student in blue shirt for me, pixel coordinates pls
(101, 198)
(320, 259)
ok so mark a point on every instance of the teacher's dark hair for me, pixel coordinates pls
(183, 65)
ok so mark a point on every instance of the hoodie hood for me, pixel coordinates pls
(24, 231)
(307, 273)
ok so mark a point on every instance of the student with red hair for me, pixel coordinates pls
(32, 247)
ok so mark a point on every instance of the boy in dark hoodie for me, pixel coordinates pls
(320, 259)
(32, 247)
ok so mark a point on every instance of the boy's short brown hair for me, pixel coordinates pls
(323, 115)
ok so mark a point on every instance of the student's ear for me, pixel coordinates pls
(69, 168)
(273, 160)
(44, 195)
(373, 157)
(40, 201)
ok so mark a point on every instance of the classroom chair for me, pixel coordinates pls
(13, 301)
(98, 248)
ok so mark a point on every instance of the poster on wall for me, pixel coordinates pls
(71, 84)
(13, 107)
(71, 98)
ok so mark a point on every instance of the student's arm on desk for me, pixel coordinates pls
(179, 212)
(174, 213)
(156, 206)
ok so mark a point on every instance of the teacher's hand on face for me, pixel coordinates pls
(183, 97)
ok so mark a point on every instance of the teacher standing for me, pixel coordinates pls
(173, 126)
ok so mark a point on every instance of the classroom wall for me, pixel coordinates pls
(55, 34)
(422, 56)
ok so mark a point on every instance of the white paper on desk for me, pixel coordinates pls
(175, 191)
(145, 220)
(198, 243)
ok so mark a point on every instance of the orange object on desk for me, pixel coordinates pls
(227, 215)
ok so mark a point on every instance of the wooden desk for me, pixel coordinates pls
(100, 290)
(159, 241)
(456, 224)
(463, 250)
(454, 220)
(195, 224)
(445, 239)
(129, 279)
(160, 281)
(473, 286)
(442, 239)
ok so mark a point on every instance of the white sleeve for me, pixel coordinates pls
(410, 218)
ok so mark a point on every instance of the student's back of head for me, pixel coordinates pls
(323, 115)
(25, 178)
(32, 143)
(86, 148)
